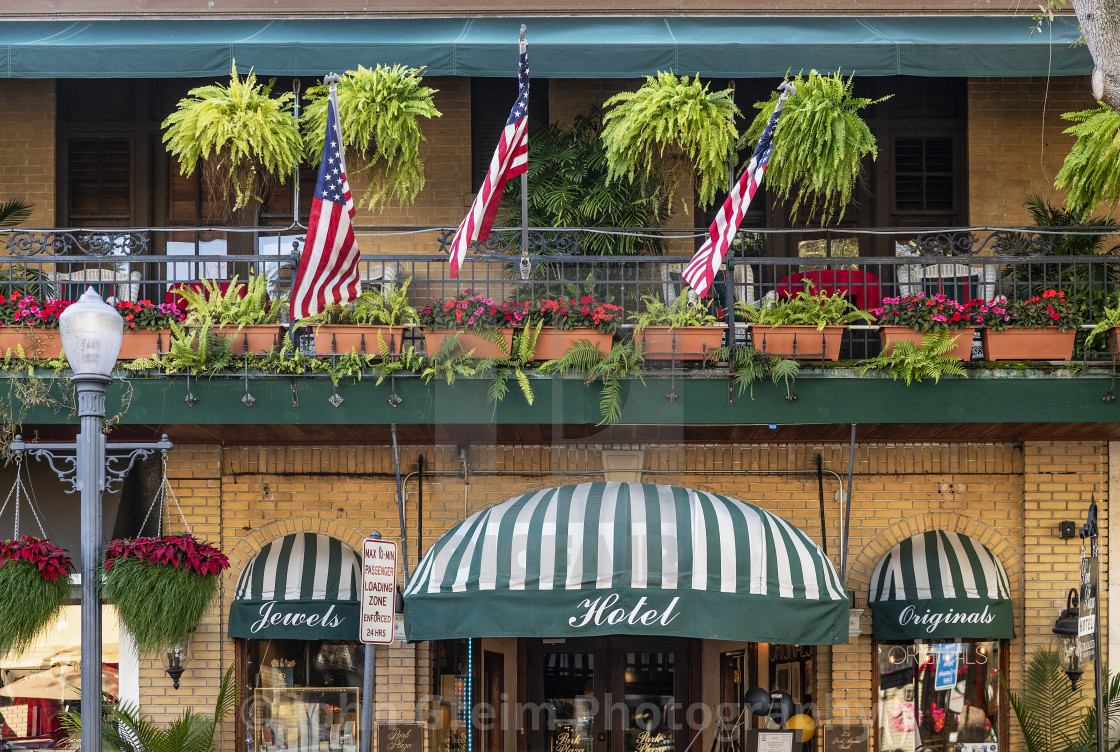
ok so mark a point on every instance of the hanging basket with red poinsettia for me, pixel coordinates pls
(161, 586)
(34, 576)
(34, 586)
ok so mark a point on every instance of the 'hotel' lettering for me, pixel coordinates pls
(599, 611)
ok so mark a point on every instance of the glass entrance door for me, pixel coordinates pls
(607, 694)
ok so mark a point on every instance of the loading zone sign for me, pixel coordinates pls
(379, 591)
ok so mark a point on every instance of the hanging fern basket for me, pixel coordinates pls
(819, 146)
(161, 587)
(34, 586)
(379, 112)
(650, 133)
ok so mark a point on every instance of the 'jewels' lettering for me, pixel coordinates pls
(271, 616)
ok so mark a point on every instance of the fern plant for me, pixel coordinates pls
(819, 145)
(379, 111)
(569, 187)
(197, 350)
(524, 343)
(244, 138)
(667, 118)
(376, 306)
(805, 308)
(686, 310)
(751, 366)
(451, 362)
(624, 361)
(240, 304)
(912, 362)
(1089, 172)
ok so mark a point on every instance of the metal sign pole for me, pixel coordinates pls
(367, 688)
(1089, 530)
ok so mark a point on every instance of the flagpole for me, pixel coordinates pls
(729, 280)
(295, 184)
(525, 267)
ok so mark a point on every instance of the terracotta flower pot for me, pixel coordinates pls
(482, 347)
(36, 342)
(1028, 344)
(552, 343)
(366, 339)
(888, 335)
(253, 338)
(144, 343)
(682, 343)
(798, 342)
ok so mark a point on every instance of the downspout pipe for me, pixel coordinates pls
(848, 507)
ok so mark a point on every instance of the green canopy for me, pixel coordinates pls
(627, 558)
(940, 585)
(303, 586)
(747, 46)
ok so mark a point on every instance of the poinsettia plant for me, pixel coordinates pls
(34, 586)
(473, 312)
(161, 586)
(51, 561)
(175, 550)
(144, 314)
(1051, 308)
(923, 314)
(18, 309)
(582, 312)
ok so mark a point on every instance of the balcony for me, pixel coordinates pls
(272, 400)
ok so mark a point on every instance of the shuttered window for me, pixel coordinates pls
(491, 100)
(99, 170)
(923, 174)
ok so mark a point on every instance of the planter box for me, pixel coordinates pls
(36, 342)
(482, 347)
(552, 343)
(365, 339)
(253, 338)
(798, 342)
(888, 335)
(1028, 344)
(144, 343)
(682, 343)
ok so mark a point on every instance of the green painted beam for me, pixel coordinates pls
(836, 396)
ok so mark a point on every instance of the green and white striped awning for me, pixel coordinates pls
(940, 585)
(303, 586)
(627, 558)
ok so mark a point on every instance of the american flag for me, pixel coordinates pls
(328, 267)
(510, 159)
(701, 270)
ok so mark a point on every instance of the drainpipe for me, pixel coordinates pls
(847, 509)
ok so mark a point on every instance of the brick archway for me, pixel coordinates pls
(859, 575)
(248, 546)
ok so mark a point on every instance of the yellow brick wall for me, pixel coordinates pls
(27, 159)
(1009, 497)
(1015, 143)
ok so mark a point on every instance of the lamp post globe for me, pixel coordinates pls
(1065, 630)
(91, 332)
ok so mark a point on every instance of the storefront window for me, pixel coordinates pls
(454, 664)
(939, 696)
(40, 684)
(306, 695)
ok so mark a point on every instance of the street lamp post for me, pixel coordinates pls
(91, 333)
